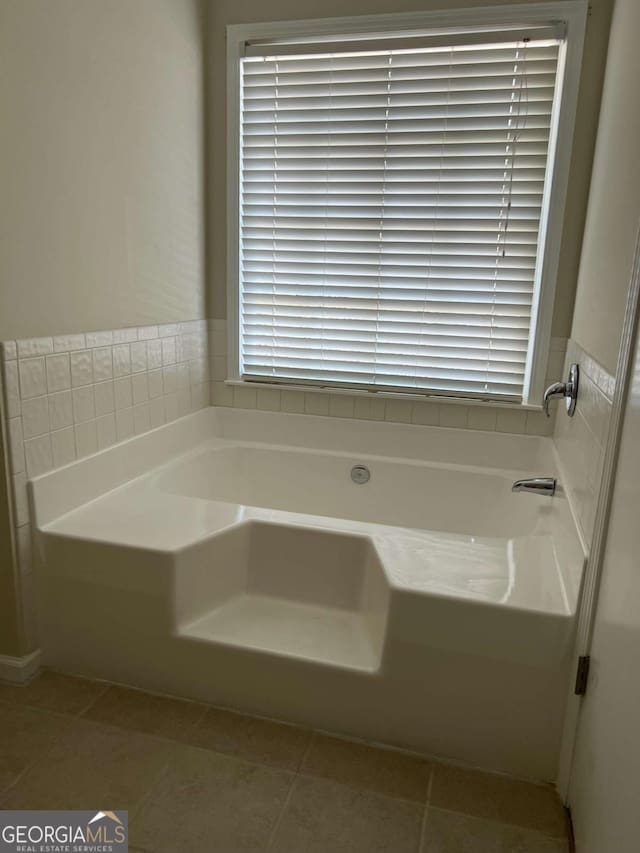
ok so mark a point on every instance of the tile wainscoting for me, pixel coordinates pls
(380, 408)
(581, 440)
(68, 396)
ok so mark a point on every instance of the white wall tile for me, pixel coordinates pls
(102, 364)
(141, 418)
(171, 407)
(125, 336)
(16, 447)
(168, 351)
(270, 400)
(9, 350)
(154, 354)
(34, 346)
(222, 395)
(183, 376)
(68, 343)
(427, 414)
(60, 410)
(482, 417)
(106, 430)
(511, 420)
(38, 455)
(219, 367)
(12, 388)
(147, 333)
(138, 356)
(168, 329)
(398, 411)
(86, 438)
(199, 398)
(156, 412)
(104, 398)
(290, 401)
(452, 415)
(124, 424)
(58, 372)
(35, 416)
(33, 377)
(99, 339)
(123, 392)
(81, 368)
(84, 408)
(340, 405)
(121, 360)
(156, 386)
(170, 379)
(139, 388)
(63, 447)
(314, 402)
(369, 408)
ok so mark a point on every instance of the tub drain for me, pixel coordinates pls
(360, 474)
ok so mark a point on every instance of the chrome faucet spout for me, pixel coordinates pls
(536, 486)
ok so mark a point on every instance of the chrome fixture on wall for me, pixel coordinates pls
(568, 389)
(536, 486)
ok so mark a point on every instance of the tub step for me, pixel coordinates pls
(284, 627)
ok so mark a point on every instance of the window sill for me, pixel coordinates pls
(387, 395)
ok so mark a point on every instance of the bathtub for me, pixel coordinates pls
(230, 557)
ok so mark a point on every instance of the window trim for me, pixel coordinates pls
(573, 13)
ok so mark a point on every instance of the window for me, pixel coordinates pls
(393, 207)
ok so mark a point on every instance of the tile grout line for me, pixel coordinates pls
(287, 800)
(425, 811)
(106, 687)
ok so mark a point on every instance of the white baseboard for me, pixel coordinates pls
(20, 670)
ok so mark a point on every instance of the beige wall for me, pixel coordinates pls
(223, 12)
(614, 201)
(101, 167)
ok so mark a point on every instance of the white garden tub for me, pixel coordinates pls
(230, 557)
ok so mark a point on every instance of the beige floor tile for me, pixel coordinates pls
(325, 817)
(211, 802)
(89, 766)
(362, 766)
(448, 832)
(143, 712)
(253, 739)
(51, 691)
(498, 798)
(25, 736)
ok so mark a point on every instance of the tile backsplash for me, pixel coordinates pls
(580, 440)
(381, 408)
(68, 396)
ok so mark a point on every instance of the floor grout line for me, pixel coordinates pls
(281, 814)
(425, 811)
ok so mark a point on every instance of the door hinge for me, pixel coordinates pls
(582, 675)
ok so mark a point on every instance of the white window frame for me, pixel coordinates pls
(573, 13)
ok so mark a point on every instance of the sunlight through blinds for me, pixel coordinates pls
(390, 211)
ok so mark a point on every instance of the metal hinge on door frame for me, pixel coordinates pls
(582, 675)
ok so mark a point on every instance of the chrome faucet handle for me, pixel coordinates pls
(558, 389)
(568, 389)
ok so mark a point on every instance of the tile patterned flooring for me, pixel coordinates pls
(196, 778)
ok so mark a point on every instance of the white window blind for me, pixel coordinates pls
(390, 206)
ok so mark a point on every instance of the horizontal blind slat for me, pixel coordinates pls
(389, 213)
